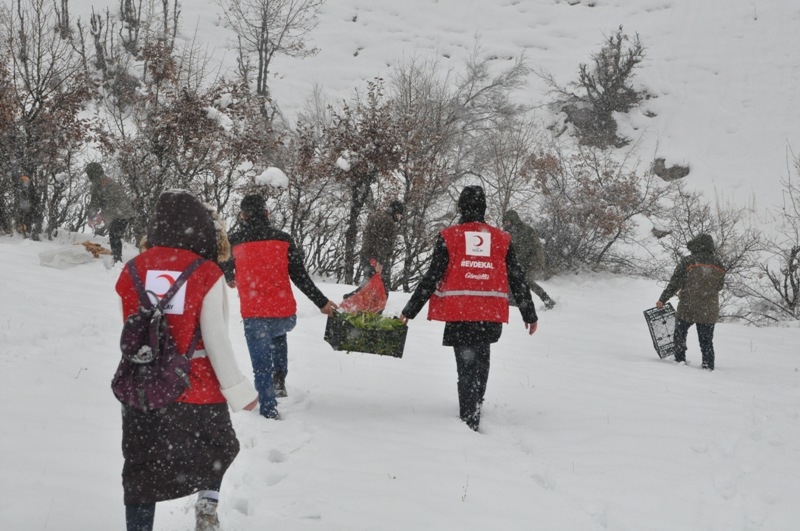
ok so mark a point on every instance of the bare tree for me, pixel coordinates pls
(362, 149)
(266, 28)
(590, 203)
(315, 204)
(504, 153)
(774, 291)
(62, 18)
(45, 93)
(443, 120)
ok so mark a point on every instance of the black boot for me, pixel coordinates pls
(279, 381)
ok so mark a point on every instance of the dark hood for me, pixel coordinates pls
(182, 221)
(702, 243)
(94, 170)
(512, 217)
(472, 204)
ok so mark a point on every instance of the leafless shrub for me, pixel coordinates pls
(774, 291)
(589, 206)
(601, 90)
(266, 28)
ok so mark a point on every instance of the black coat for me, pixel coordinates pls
(175, 451)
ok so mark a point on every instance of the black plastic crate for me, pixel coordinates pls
(661, 322)
(344, 336)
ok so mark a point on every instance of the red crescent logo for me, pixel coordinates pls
(480, 241)
(170, 281)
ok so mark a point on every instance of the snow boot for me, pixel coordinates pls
(205, 512)
(279, 381)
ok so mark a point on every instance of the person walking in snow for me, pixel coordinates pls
(697, 280)
(264, 262)
(377, 244)
(187, 446)
(529, 252)
(30, 220)
(108, 205)
(472, 269)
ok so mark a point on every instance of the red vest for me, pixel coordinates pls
(262, 278)
(475, 284)
(157, 266)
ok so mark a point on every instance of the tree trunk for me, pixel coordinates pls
(360, 192)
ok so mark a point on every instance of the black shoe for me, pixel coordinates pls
(274, 415)
(279, 381)
(708, 367)
(472, 422)
(680, 360)
(549, 303)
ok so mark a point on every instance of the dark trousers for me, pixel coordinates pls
(535, 288)
(116, 230)
(705, 334)
(140, 517)
(472, 364)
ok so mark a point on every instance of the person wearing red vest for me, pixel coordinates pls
(187, 446)
(472, 268)
(264, 265)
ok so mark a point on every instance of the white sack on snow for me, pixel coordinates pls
(65, 257)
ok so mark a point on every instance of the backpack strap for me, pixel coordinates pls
(179, 282)
(144, 298)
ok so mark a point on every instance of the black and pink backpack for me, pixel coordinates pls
(152, 372)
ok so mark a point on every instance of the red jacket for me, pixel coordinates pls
(158, 268)
(262, 278)
(264, 265)
(475, 284)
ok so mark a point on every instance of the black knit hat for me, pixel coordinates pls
(253, 205)
(182, 221)
(472, 203)
(94, 170)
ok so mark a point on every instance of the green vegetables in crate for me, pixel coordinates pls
(372, 321)
(367, 332)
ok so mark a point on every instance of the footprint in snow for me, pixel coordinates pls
(276, 456)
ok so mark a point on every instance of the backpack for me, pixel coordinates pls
(152, 372)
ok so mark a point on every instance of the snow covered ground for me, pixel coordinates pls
(583, 428)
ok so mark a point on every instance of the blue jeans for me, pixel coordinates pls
(266, 341)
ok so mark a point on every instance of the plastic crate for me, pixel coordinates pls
(344, 336)
(661, 322)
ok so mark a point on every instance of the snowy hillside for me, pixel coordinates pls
(725, 74)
